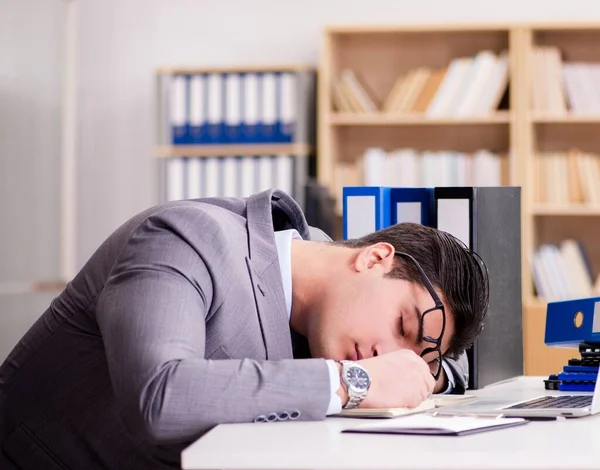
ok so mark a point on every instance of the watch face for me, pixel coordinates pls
(358, 378)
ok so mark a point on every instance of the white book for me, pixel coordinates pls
(375, 167)
(443, 170)
(362, 96)
(194, 178)
(268, 114)
(215, 105)
(428, 169)
(486, 168)
(265, 172)
(175, 179)
(451, 160)
(461, 169)
(249, 174)
(233, 109)
(250, 114)
(212, 178)
(494, 89)
(230, 177)
(556, 97)
(197, 106)
(441, 104)
(288, 99)
(484, 67)
(178, 101)
(540, 277)
(582, 283)
(284, 171)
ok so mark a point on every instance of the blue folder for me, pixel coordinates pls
(412, 204)
(570, 322)
(366, 209)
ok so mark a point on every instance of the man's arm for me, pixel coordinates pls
(152, 315)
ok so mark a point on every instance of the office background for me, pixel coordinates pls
(118, 44)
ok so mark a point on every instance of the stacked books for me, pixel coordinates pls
(564, 178)
(466, 87)
(563, 271)
(559, 86)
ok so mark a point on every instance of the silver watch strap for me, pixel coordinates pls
(354, 398)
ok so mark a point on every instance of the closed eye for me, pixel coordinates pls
(402, 332)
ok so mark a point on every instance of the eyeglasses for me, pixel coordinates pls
(433, 314)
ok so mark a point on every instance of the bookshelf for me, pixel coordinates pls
(234, 131)
(377, 93)
(539, 119)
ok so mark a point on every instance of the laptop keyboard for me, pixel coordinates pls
(564, 401)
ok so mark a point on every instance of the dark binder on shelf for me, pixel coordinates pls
(414, 205)
(488, 221)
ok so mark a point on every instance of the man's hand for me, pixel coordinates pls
(398, 379)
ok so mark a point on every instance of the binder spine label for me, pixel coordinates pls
(596, 322)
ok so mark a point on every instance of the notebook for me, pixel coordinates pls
(387, 412)
(436, 400)
(431, 425)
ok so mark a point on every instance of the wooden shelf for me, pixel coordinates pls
(385, 119)
(565, 119)
(536, 303)
(377, 55)
(416, 28)
(567, 210)
(239, 69)
(232, 150)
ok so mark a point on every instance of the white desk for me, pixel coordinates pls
(555, 444)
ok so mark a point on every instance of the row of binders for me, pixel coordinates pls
(559, 86)
(467, 86)
(563, 271)
(239, 176)
(567, 177)
(237, 107)
(460, 211)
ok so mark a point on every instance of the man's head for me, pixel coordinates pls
(374, 301)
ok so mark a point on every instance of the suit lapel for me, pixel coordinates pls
(270, 305)
(265, 275)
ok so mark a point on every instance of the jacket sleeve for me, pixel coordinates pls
(152, 315)
(460, 373)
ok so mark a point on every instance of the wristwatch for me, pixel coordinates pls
(357, 381)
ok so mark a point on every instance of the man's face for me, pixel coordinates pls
(366, 314)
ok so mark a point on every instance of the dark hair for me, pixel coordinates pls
(459, 273)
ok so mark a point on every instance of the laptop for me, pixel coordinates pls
(557, 404)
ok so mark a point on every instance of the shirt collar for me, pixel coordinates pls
(283, 239)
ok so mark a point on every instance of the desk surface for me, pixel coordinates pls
(554, 444)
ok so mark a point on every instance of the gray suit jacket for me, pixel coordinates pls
(175, 324)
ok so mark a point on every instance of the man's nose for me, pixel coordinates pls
(384, 348)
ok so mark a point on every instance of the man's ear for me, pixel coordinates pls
(377, 256)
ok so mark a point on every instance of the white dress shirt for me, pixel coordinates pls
(284, 249)
(283, 239)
